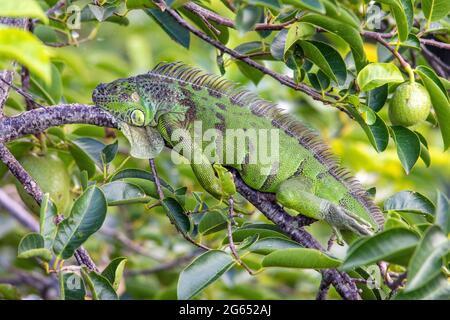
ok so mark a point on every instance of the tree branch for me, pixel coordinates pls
(381, 39)
(38, 120)
(210, 15)
(434, 43)
(279, 77)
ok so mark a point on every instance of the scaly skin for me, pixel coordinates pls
(305, 177)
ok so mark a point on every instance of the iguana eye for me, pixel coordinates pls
(137, 118)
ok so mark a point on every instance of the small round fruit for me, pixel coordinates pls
(410, 105)
(51, 175)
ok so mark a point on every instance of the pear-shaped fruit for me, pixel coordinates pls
(50, 173)
(410, 104)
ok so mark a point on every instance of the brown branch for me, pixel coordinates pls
(434, 43)
(279, 77)
(380, 38)
(323, 290)
(204, 13)
(441, 68)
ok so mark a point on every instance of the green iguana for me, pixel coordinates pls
(162, 107)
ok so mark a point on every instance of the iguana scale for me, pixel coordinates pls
(306, 177)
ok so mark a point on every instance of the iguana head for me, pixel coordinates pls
(134, 116)
(121, 98)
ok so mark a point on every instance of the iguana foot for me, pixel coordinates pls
(342, 218)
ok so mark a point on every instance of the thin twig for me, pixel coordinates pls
(231, 244)
(379, 38)
(434, 43)
(157, 182)
(204, 13)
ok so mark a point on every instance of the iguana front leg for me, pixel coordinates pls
(182, 143)
(296, 194)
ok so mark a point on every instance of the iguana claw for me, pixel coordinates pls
(344, 219)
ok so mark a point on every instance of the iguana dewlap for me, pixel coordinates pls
(173, 102)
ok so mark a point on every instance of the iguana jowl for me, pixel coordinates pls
(306, 178)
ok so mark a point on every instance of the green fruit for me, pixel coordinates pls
(410, 105)
(51, 175)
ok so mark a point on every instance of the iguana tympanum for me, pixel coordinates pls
(163, 106)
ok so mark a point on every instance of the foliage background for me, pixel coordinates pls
(146, 237)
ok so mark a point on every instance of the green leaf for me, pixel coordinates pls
(269, 245)
(32, 246)
(303, 258)
(22, 8)
(9, 292)
(340, 13)
(87, 154)
(439, 99)
(434, 10)
(345, 31)
(120, 192)
(326, 58)
(203, 271)
(99, 286)
(139, 174)
(249, 72)
(375, 75)
(393, 245)
(176, 214)
(403, 11)
(297, 31)
(408, 146)
(50, 92)
(175, 31)
(24, 47)
(442, 212)
(71, 286)
(47, 216)
(424, 153)
(427, 260)
(437, 289)
(109, 152)
(409, 201)
(87, 216)
(272, 4)
(245, 232)
(212, 222)
(377, 133)
(313, 5)
(247, 17)
(114, 271)
(278, 44)
(376, 98)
